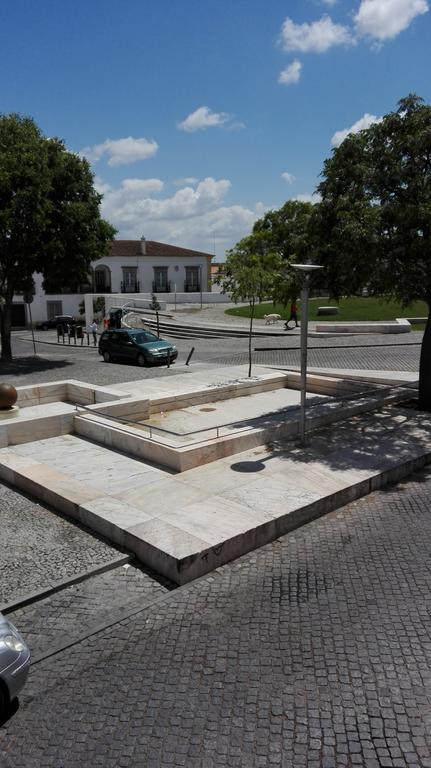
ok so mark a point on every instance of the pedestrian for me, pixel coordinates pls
(93, 329)
(293, 316)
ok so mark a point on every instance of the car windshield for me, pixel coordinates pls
(142, 337)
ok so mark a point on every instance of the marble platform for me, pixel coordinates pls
(185, 505)
(185, 525)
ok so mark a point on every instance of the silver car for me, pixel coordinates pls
(14, 663)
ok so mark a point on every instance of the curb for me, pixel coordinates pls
(33, 597)
(116, 618)
(340, 346)
(57, 344)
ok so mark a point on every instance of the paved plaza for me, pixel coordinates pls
(312, 651)
(54, 362)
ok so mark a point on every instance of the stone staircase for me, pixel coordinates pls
(181, 330)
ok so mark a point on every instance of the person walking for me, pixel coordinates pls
(93, 329)
(293, 316)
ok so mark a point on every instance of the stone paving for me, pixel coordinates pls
(394, 358)
(38, 547)
(312, 651)
(75, 610)
(390, 352)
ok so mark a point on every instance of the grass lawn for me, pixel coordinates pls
(353, 308)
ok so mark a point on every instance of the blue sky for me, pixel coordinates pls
(197, 116)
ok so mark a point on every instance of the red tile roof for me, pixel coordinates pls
(132, 249)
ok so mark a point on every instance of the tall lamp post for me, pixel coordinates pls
(306, 270)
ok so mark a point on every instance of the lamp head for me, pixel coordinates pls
(307, 267)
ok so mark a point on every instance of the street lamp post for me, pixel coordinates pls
(306, 270)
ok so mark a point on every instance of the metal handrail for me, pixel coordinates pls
(381, 388)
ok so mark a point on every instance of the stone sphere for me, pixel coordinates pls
(8, 396)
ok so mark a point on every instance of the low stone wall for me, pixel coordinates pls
(400, 325)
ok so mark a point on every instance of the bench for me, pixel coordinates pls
(327, 310)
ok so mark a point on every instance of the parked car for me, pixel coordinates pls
(14, 663)
(141, 347)
(63, 320)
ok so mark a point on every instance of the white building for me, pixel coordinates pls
(145, 266)
(133, 267)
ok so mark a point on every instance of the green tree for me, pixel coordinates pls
(287, 232)
(374, 220)
(156, 306)
(49, 215)
(251, 273)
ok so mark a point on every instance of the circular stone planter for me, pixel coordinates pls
(327, 310)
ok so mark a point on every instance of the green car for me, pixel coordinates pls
(140, 347)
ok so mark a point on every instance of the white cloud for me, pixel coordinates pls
(364, 122)
(121, 151)
(288, 177)
(187, 181)
(385, 19)
(330, 2)
(139, 186)
(290, 74)
(316, 37)
(189, 217)
(203, 118)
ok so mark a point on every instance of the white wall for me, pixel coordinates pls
(145, 271)
(145, 276)
(69, 301)
(166, 300)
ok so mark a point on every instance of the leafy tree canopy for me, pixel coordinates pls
(251, 269)
(251, 274)
(286, 232)
(49, 214)
(374, 220)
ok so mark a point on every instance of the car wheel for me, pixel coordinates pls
(141, 360)
(4, 702)
(107, 357)
(44, 327)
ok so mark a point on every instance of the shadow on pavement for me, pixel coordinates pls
(21, 366)
(12, 709)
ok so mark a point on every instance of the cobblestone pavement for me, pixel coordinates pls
(75, 610)
(312, 651)
(396, 358)
(390, 352)
(39, 547)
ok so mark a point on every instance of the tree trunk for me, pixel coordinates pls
(249, 337)
(425, 366)
(5, 328)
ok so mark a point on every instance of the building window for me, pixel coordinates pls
(130, 280)
(160, 282)
(192, 282)
(54, 308)
(102, 279)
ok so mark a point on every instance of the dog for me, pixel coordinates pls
(271, 318)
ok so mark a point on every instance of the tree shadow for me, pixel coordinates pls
(21, 366)
(373, 441)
